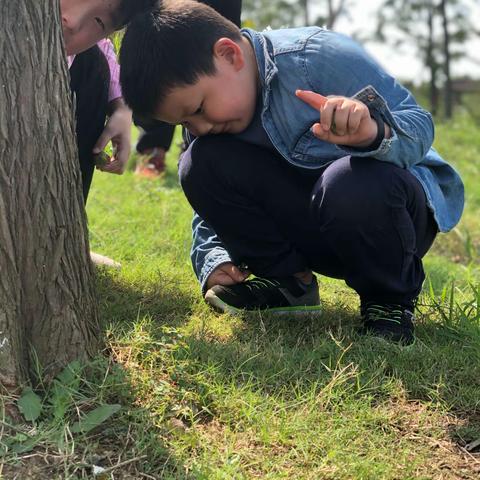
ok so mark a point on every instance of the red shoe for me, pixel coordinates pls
(154, 167)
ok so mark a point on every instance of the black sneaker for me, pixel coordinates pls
(279, 295)
(390, 321)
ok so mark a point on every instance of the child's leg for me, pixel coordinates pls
(155, 143)
(254, 201)
(358, 219)
(157, 135)
(373, 217)
(89, 81)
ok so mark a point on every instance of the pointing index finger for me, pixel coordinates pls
(313, 99)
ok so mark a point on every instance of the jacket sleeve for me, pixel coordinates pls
(207, 251)
(337, 65)
(412, 130)
(114, 90)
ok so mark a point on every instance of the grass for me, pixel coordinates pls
(208, 396)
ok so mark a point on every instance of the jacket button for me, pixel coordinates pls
(370, 97)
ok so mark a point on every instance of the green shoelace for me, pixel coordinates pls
(376, 312)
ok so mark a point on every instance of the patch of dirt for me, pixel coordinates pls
(448, 459)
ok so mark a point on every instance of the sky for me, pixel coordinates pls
(402, 64)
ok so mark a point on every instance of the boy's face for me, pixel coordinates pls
(222, 103)
(85, 22)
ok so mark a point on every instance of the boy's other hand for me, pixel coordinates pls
(118, 130)
(343, 120)
(226, 274)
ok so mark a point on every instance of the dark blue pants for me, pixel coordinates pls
(89, 83)
(357, 219)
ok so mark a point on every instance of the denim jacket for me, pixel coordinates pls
(329, 63)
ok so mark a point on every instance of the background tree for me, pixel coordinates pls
(437, 30)
(305, 6)
(288, 13)
(415, 19)
(47, 281)
(260, 14)
(332, 11)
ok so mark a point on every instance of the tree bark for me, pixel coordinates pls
(446, 61)
(334, 12)
(432, 62)
(306, 12)
(48, 311)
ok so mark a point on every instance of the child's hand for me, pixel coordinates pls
(343, 121)
(118, 130)
(226, 274)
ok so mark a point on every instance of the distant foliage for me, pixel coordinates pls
(116, 39)
(260, 14)
(437, 30)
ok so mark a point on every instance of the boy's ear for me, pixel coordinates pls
(228, 50)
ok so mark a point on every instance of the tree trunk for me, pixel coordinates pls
(432, 63)
(48, 310)
(306, 12)
(334, 12)
(446, 62)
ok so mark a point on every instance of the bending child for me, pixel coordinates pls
(157, 137)
(101, 114)
(286, 182)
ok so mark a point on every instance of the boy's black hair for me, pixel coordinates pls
(171, 46)
(129, 8)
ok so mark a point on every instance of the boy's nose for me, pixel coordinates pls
(201, 128)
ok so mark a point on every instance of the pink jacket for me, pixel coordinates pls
(106, 47)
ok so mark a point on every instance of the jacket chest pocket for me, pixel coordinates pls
(311, 152)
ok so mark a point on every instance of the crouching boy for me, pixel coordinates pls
(310, 158)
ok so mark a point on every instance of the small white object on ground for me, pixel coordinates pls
(98, 259)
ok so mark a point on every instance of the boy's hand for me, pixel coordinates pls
(118, 130)
(226, 274)
(343, 121)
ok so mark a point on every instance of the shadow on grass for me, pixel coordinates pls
(287, 357)
(138, 321)
(131, 443)
(122, 303)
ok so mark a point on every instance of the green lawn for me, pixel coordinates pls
(208, 396)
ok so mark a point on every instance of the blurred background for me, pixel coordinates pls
(431, 46)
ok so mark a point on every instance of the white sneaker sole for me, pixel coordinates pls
(222, 307)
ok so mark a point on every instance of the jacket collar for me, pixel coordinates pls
(264, 54)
